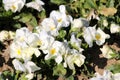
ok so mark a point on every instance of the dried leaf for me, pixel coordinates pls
(108, 11)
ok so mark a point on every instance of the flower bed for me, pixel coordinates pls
(59, 39)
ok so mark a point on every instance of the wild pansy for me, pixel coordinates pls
(14, 5)
(100, 37)
(28, 67)
(60, 17)
(45, 41)
(74, 57)
(48, 25)
(57, 49)
(107, 52)
(76, 42)
(91, 34)
(88, 35)
(114, 28)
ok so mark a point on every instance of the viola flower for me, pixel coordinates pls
(37, 4)
(107, 52)
(33, 40)
(27, 53)
(56, 50)
(60, 17)
(28, 66)
(114, 28)
(79, 23)
(48, 25)
(88, 35)
(74, 58)
(14, 5)
(15, 50)
(45, 41)
(24, 52)
(22, 34)
(76, 43)
(100, 36)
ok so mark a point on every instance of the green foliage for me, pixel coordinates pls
(58, 2)
(59, 70)
(115, 68)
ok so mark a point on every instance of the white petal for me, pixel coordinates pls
(18, 65)
(58, 59)
(31, 66)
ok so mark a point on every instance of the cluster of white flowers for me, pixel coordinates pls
(26, 43)
(66, 52)
(17, 5)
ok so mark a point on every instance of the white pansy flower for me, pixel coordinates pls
(28, 66)
(48, 25)
(60, 17)
(56, 50)
(4, 35)
(75, 42)
(18, 65)
(45, 40)
(74, 58)
(21, 34)
(88, 35)
(114, 28)
(13, 5)
(15, 50)
(28, 52)
(37, 4)
(107, 51)
(79, 23)
(22, 51)
(100, 36)
(107, 75)
(33, 40)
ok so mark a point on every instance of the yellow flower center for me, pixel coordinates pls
(59, 20)
(18, 51)
(53, 51)
(13, 7)
(52, 28)
(39, 42)
(97, 36)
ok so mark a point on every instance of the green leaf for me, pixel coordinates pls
(33, 22)
(59, 70)
(58, 2)
(42, 14)
(115, 68)
(90, 4)
(110, 3)
(25, 17)
(23, 77)
(62, 33)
